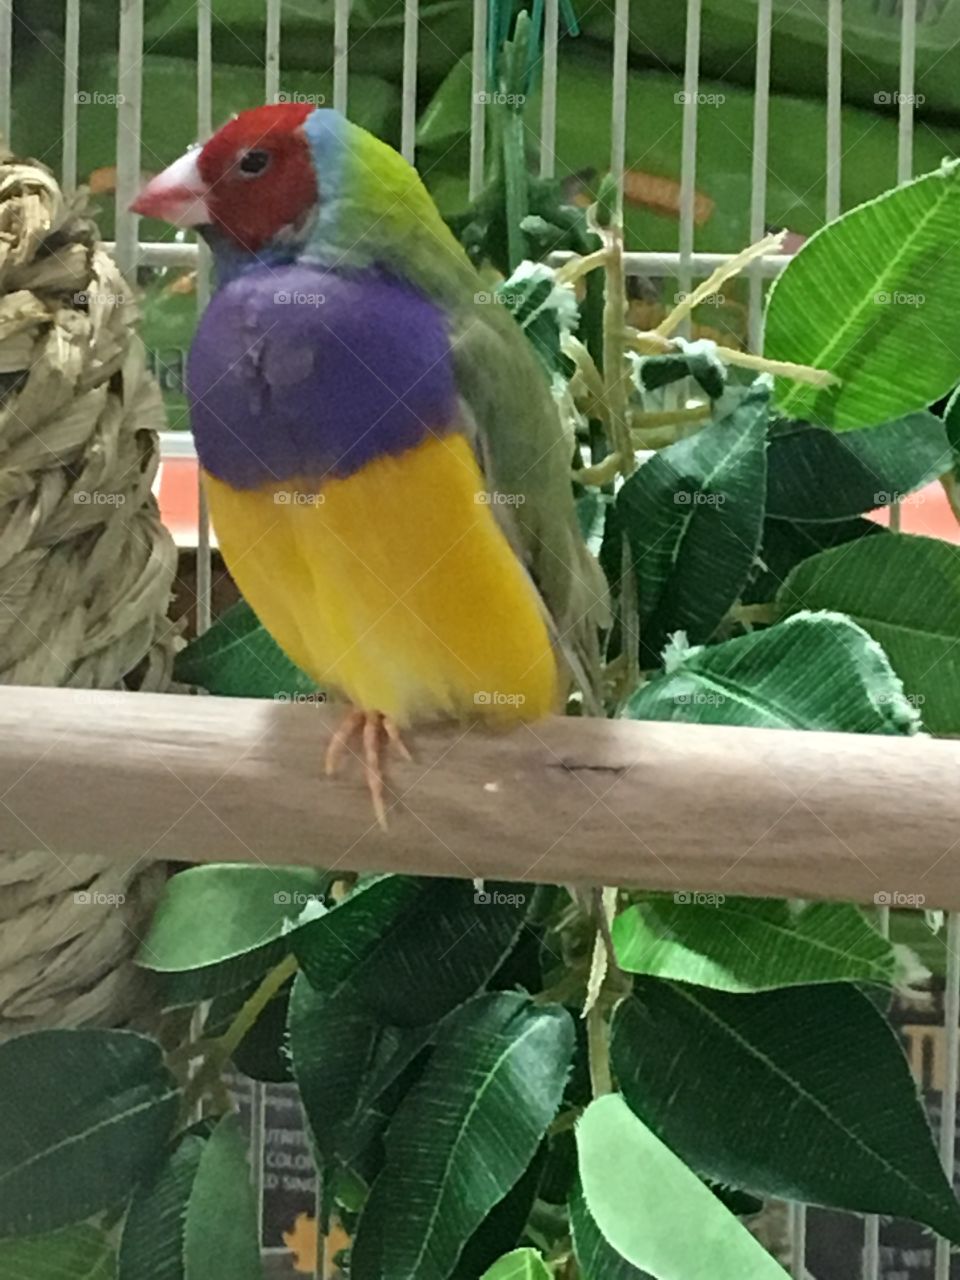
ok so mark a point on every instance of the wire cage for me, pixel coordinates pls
(867, 57)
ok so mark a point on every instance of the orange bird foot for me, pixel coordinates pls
(375, 731)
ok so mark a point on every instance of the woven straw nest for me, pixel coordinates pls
(86, 571)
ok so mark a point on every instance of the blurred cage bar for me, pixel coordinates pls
(265, 1113)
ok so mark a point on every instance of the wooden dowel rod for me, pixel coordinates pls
(665, 806)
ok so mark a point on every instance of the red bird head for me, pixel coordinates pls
(251, 180)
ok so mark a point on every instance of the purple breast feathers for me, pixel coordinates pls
(298, 371)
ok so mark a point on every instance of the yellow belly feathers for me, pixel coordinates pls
(394, 585)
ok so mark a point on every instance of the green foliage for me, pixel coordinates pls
(378, 973)
(746, 1090)
(467, 1130)
(153, 1231)
(818, 475)
(392, 948)
(681, 1233)
(196, 1220)
(545, 311)
(83, 1252)
(237, 658)
(219, 1245)
(813, 671)
(697, 360)
(429, 1025)
(597, 1258)
(84, 1115)
(521, 1264)
(872, 299)
(905, 591)
(747, 944)
(787, 542)
(952, 424)
(222, 926)
(692, 517)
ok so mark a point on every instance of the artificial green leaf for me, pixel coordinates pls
(951, 480)
(220, 1230)
(814, 474)
(405, 951)
(812, 671)
(746, 1089)
(596, 1258)
(951, 422)
(328, 949)
(652, 1211)
(82, 1252)
(332, 1047)
(221, 926)
(238, 658)
(751, 944)
(787, 542)
(504, 1224)
(84, 1115)
(152, 1241)
(544, 310)
(262, 1052)
(693, 515)
(741, 1203)
(924, 936)
(697, 360)
(871, 298)
(468, 1130)
(905, 591)
(399, 950)
(366, 1250)
(522, 1264)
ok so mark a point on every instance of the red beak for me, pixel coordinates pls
(178, 195)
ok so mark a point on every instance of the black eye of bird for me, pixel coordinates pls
(254, 162)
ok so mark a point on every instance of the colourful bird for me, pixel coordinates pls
(386, 469)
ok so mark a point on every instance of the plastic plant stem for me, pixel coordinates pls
(614, 363)
(222, 1049)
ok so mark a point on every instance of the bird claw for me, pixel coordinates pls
(373, 727)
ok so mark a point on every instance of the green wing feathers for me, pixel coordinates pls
(526, 454)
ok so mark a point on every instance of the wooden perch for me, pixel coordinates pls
(663, 806)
